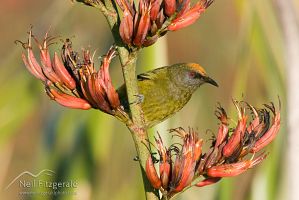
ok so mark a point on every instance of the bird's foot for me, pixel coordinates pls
(139, 99)
(136, 158)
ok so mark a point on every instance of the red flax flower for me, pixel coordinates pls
(71, 81)
(183, 165)
(144, 21)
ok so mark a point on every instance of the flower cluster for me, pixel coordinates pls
(144, 21)
(71, 81)
(181, 166)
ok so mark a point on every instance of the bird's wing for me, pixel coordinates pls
(151, 75)
(148, 83)
(142, 77)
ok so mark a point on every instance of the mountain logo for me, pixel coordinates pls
(47, 172)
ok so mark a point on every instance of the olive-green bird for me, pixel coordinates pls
(166, 90)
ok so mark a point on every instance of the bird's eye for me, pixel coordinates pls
(192, 74)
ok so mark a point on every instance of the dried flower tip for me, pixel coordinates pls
(269, 136)
(223, 128)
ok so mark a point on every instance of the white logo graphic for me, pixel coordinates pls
(44, 171)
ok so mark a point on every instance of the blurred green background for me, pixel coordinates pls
(240, 43)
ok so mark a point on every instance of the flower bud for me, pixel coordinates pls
(126, 27)
(234, 169)
(208, 181)
(143, 26)
(186, 19)
(68, 100)
(151, 173)
(169, 7)
(62, 73)
(155, 9)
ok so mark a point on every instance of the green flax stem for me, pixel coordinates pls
(128, 60)
(139, 134)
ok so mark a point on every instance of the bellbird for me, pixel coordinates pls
(166, 90)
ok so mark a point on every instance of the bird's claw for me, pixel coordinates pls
(136, 158)
(139, 99)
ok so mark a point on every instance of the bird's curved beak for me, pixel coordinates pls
(211, 81)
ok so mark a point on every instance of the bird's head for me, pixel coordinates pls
(191, 75)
